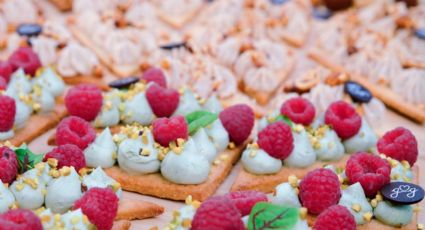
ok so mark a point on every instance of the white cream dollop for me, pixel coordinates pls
(393, 215)
(187, 104)
(130, 156)
(58, 200)
(401, 173)
(6, 135)
(218, 135)
(204, 145)
(102, 151)
(109, 114)
(23, 113)
(364, 140)
(6, 198)
(50, 81)
(76, 220)
(45, 99)
(330, 147)
(257, 161)
(137, 109)
(188, 167)
(303, 153)
(29, 196)
(75, 60)
(99, 179)
(286, 196)
(48, 219)
(213, 105)
(354, 195)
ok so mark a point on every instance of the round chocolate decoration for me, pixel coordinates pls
(420, 33)
(402, 193)
(322, 13)
(175, 45)
(278, 2)
(29, 30)
(123, 83)
(357, 92)
(338, 4)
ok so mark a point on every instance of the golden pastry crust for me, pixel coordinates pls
(121, 225)
(130, 209)
(267, 183)
(156, 185)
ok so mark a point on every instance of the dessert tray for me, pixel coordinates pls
(224, 114)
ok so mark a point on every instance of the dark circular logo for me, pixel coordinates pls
(402, 193)
(123, 83)
(29, 30)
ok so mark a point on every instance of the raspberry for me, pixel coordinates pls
(335, 218)
(7, 113)
(166, 130)
(299, 110)
(343, 118)
(399, 144)
(76, 131)
(20, 219)
(25, 58)
(245, 200)
(84, 101)
(371, 171)
(3, 83)
(319, 190)
(162, 101)
(67, 155)
(276, 139)
(154, 75)
(100, 205)
(238, 120)
(217, 213)
(8, 165)
(5, 70)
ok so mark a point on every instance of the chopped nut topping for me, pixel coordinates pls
(293, 181)
(303, 213)
(356, 207)
(367, 216)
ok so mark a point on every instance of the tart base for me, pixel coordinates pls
(121, 225)
(156, 185)
(385, 94)
(80, 79)
(130, 209)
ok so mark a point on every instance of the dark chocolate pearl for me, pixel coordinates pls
(175, 45)
(420, 33)
(29, 30)
(409, 3)
(357, 92)
(402, 193)
(123, 82)
(338, 4)
(321, 13)
(278, 2)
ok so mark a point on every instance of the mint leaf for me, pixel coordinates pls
(285, 119)
(269, 216)
(26, 158)
(199, 119)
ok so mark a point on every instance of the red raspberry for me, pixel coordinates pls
(335, 218)
(319, 190)
(371, 171)
(3, 83)
(299, 110)
(20, 219)
(154, 75)
(399, 144)
(100, 205)
(7, 113)
(76, 131)
(162, 101)
(343, 118)
(84, 101)
(5, 70)
(276, 139)
(166, 130)
(238, 120)
(25, 58)
(8, 165)
(67, 155)
(245, 200)
(217, 213)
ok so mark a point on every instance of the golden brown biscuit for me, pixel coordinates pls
(121, 225)
(156, 185)
(137, 209)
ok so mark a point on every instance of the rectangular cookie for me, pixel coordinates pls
(155, 185)
(130, 209)
(386, 95)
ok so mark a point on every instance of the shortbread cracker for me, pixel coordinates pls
(386, 95)
(130, 209)
(121, 225)
(156, 185)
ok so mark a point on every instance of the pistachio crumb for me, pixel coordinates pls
(367, 216)
(303, 213)
(356, 207)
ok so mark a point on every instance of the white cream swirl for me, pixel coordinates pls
(102, 152)
(75, 60)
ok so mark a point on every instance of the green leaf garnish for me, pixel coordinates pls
(285, 119)
(269, 216)
(199, 119)
(26, 158)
